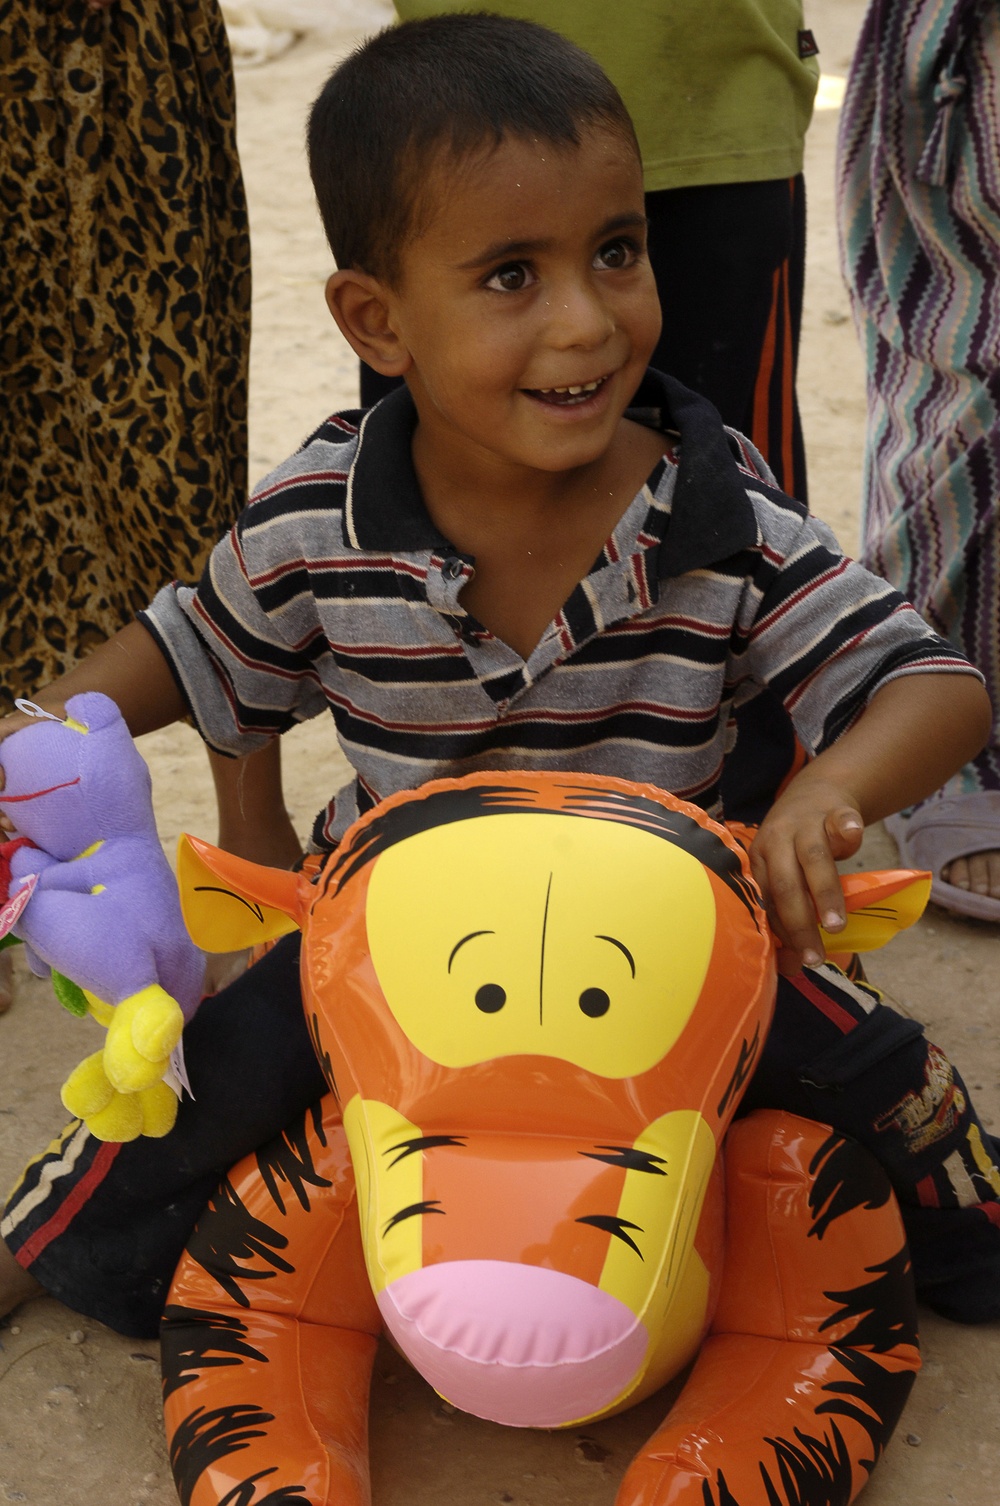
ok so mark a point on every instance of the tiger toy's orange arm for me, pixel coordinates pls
(270, 1331)
(813, 1349)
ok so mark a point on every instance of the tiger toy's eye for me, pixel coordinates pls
(594, 1002)
(490, 998)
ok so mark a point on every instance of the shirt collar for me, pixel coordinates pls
(711, 516)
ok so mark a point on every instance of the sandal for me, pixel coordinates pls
(947, 827)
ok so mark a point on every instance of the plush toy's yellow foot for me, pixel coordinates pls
(142, 1031)
(110, 1115)
(119, 1092)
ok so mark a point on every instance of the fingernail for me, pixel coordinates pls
(832, 921)
(811, 958)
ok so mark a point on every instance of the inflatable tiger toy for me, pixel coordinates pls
(537, 1000)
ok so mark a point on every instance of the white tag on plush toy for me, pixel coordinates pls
(15, 903)
(176, 1076)
(30, 709)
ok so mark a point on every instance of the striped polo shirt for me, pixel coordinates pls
(334, 590)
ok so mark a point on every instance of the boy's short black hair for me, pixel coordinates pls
(460, 83)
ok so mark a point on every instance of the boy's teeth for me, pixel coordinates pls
(573, 391)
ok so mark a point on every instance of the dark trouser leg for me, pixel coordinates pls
(103, 1226)
(837, 1054)
(729, 263)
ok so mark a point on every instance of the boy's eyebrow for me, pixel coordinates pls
(511, 250)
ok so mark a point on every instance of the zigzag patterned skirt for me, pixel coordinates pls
(919, 208)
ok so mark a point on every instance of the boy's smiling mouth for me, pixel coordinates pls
(566, 397)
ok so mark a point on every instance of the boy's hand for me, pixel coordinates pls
(808, 830)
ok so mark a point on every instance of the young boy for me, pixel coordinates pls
(534, 555)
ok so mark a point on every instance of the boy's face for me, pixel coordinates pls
(526, 305)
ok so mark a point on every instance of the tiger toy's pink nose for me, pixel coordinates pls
(516, 1344)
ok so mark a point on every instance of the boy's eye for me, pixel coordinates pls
(617, 254)
(511, 278)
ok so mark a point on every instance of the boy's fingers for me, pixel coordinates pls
(823, 881)
(790, 905)
(789, 962)
(844, 829)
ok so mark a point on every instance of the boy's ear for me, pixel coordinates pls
(360, 305)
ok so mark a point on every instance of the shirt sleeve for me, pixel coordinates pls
(242, 664)
(825, 634)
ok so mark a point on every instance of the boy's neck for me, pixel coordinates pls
(534, 534)
(474, 497)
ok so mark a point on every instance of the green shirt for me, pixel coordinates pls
(716, 88)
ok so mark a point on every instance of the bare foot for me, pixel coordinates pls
(980, 873)
(6, 980)
(16, 1285)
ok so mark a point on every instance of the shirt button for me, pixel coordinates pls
(452, 567)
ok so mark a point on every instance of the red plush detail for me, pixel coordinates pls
(7, 851)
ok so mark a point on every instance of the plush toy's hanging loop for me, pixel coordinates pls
(30, 709)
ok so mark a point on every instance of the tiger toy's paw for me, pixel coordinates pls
(110, 1115)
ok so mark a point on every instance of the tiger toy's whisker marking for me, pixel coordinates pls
(612, 1224)
(412, 1211)
(628, 1156)
(422, 1142)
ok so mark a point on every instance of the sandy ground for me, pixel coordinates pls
(79, 1411)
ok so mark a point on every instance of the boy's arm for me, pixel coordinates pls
(253, 820)
(130, 669)
(913, 735)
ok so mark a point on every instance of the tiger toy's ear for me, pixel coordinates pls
(229, 903)
(879, 905)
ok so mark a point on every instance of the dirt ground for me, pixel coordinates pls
(79, 1410)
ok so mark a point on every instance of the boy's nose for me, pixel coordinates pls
(579, 317)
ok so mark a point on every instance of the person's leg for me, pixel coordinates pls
(919, 230)
(102, 1226)
(838, 1054)
(729, 263)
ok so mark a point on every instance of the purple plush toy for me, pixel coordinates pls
(102, 907)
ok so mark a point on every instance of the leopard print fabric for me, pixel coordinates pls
(124, 317)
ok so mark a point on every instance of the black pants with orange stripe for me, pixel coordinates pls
(729, 263)
(103, 1226)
